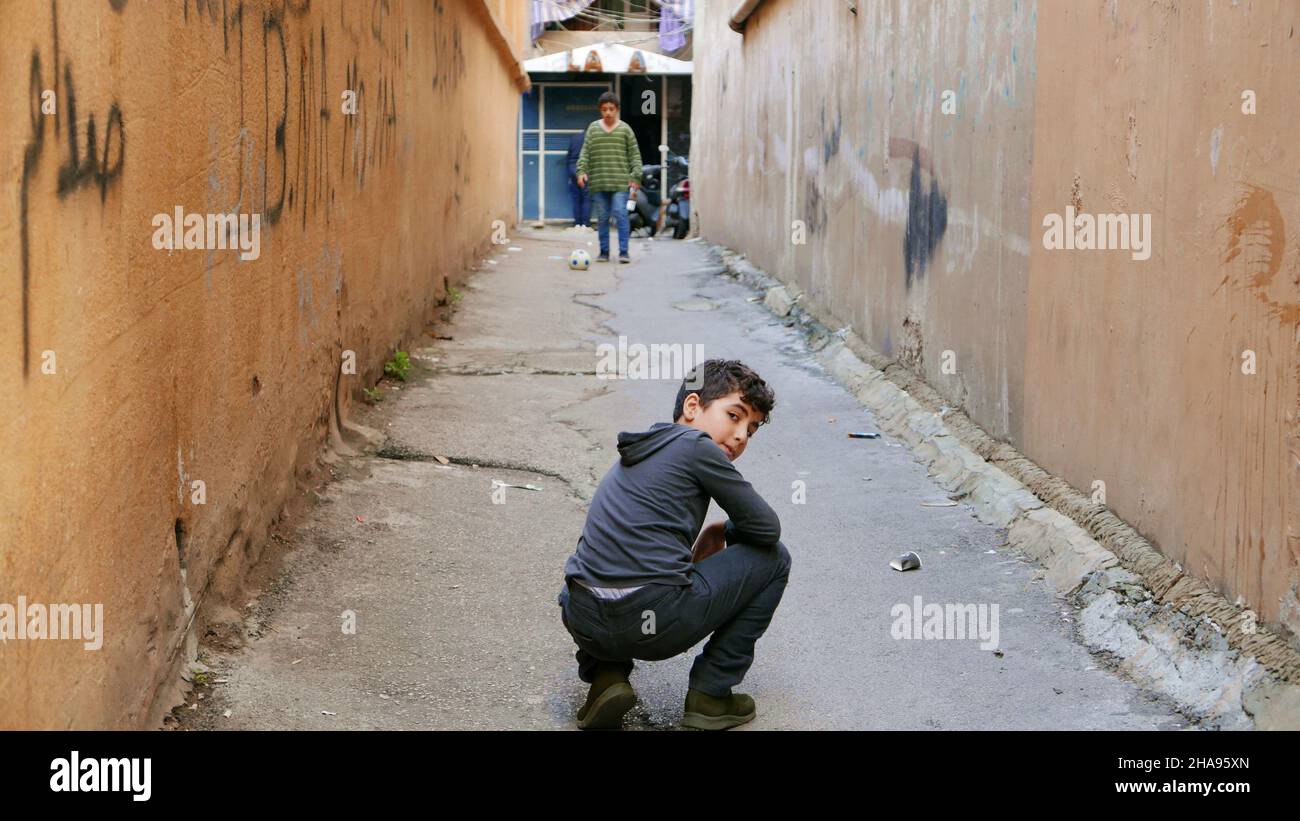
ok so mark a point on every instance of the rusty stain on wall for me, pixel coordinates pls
(1257, 233)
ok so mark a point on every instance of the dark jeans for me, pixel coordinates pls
(732, 595)
(581, 199)
(605, 204)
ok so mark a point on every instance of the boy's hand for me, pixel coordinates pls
(712, 539)
(582, 180)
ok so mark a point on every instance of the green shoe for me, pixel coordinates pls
(610, 697)
(706, 712)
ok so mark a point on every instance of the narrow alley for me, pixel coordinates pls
(928, 369)
(454, 594)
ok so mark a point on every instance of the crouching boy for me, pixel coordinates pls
(645, 582)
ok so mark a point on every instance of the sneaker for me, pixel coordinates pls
(624, 258)
(603, 258)
(610, 697)
(706, 712)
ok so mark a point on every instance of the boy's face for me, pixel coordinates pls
(728, 420)
(609, 112)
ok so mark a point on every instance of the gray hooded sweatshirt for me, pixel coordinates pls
(649, 508)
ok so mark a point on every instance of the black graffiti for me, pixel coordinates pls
(297, 8)
(201, 6)
(377, 137)
(449, 66)
(387, 141)
(230, 20)
(272, 23)
(311, 166)
(295, 161)
(461, 166)
(927, 220)
(378, 11)
(92, 166)
(30, 154)
(351, 120)
(54, 14)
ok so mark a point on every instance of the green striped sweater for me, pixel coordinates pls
(610, 160)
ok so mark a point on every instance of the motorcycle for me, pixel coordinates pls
(644, 210)
(678, 216)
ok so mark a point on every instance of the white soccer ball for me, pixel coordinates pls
(579, 260)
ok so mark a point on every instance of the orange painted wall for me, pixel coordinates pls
(172, 367)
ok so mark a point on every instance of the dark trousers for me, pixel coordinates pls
(581, 199)
(732, 596)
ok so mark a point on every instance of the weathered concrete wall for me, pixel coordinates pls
(1134, 368)
(925, 234)
(171, 367)
(915, 220)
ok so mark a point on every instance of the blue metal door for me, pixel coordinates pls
(549, 115)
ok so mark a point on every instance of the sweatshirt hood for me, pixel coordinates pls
(635, 447)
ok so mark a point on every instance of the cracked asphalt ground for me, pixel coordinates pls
(457, 625)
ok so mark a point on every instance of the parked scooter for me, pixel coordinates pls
(644, 209)
(678, 216)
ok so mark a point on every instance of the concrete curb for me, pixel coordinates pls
(1168, 632)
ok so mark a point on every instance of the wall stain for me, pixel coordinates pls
(830, 137)
(1257, 234)
(927, 210)
(814, 207)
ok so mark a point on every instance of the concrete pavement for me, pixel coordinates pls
(454, 593)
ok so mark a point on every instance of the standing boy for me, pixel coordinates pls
(635, 588)
(609, 166)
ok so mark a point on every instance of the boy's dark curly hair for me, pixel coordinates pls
(715, 378)
(608, 97)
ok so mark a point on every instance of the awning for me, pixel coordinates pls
(613, 58)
